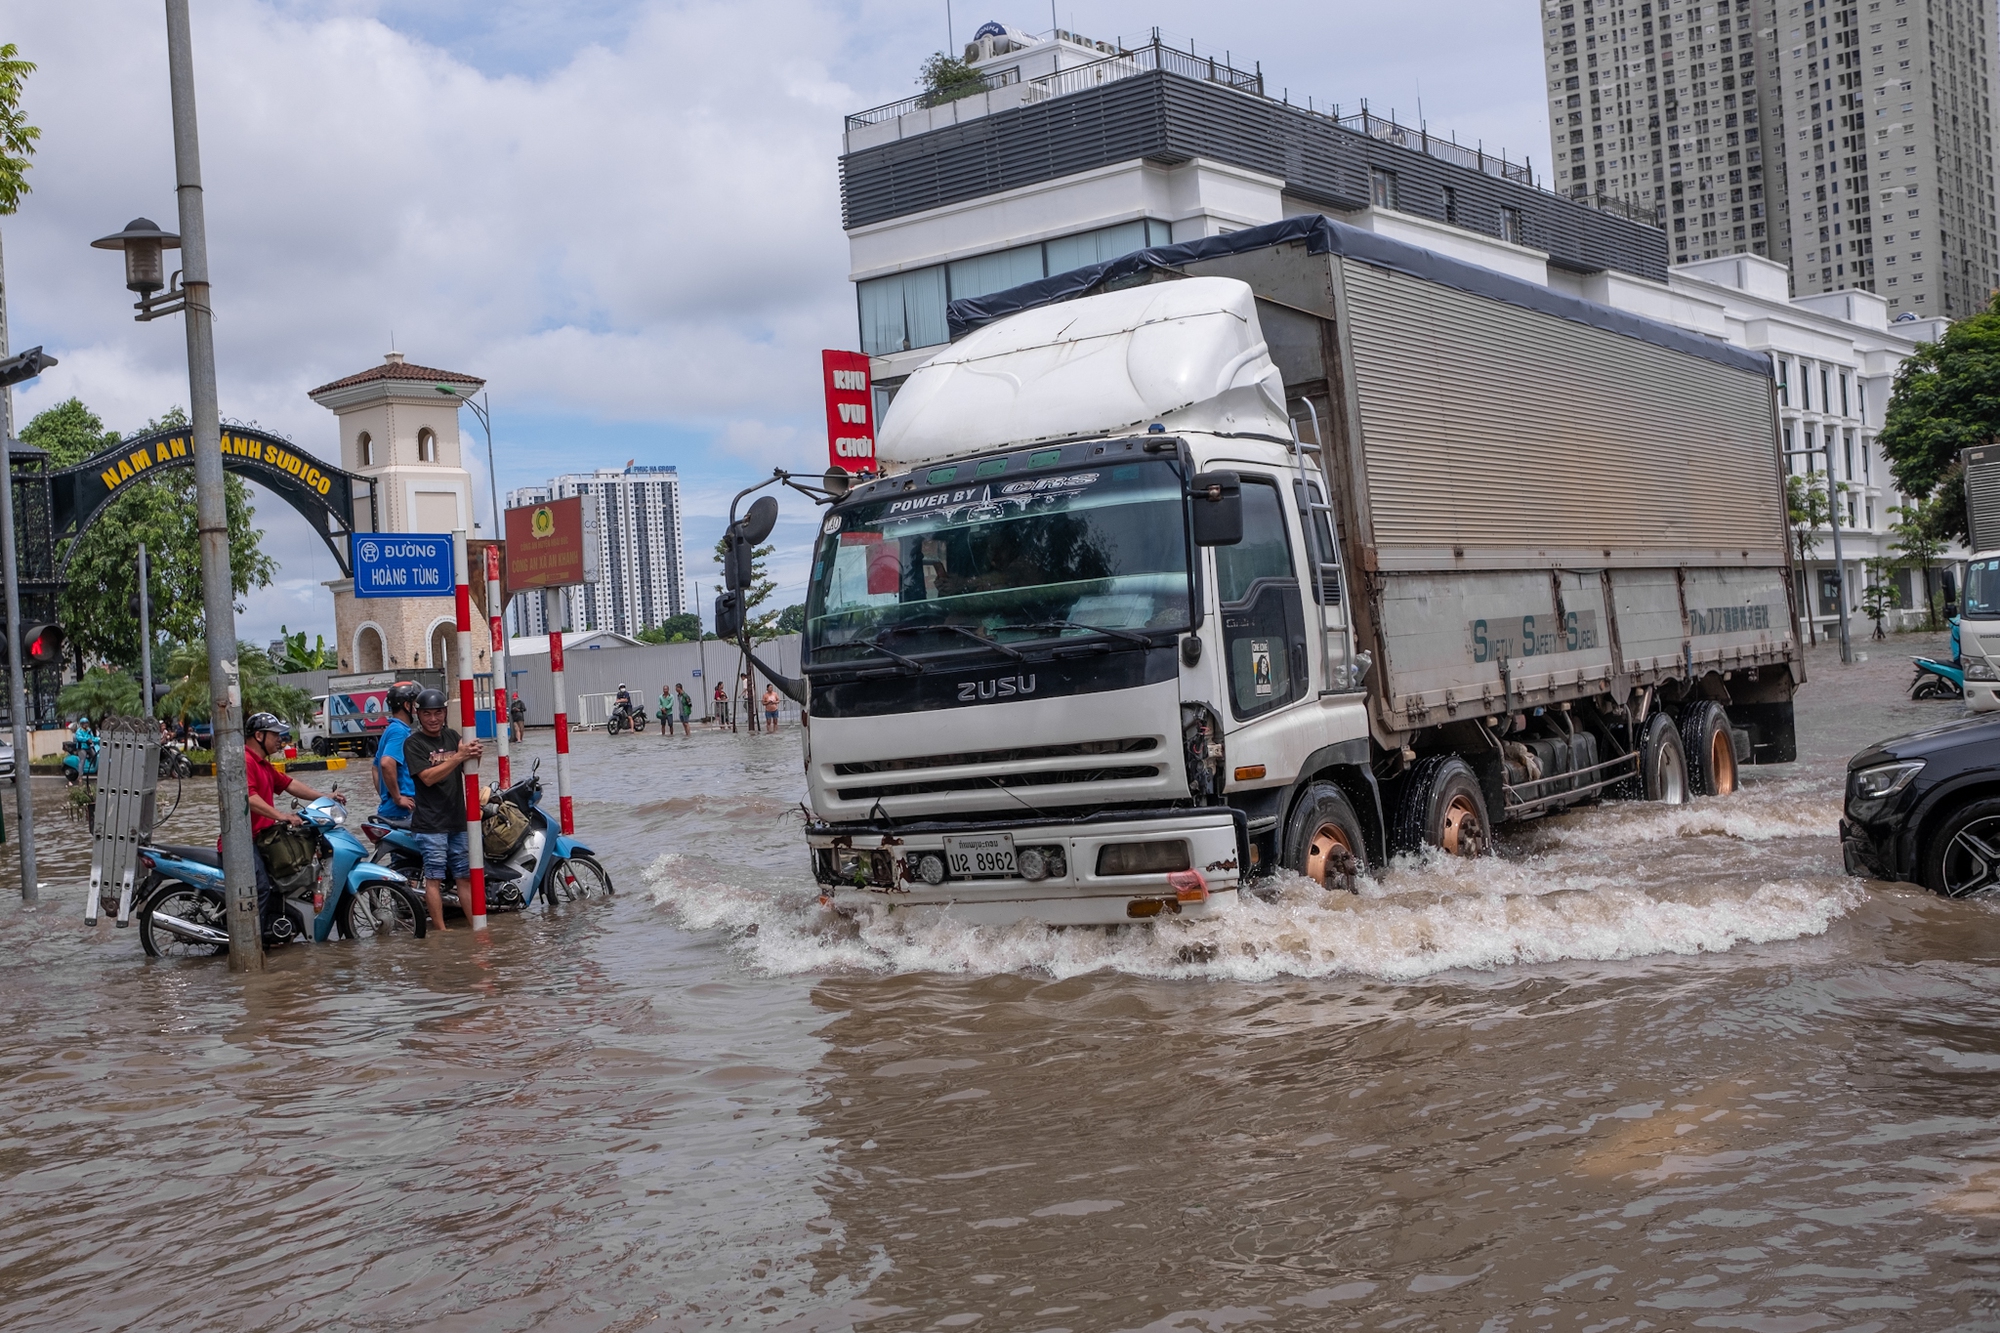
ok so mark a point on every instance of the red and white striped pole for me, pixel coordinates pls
(562, 734)
(473, 902)
(501, 724)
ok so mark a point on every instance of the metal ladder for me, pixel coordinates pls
(1328, 586)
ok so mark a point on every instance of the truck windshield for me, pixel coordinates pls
(1073, 552)
(1982, 590)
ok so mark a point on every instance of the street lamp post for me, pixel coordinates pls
(191, 298)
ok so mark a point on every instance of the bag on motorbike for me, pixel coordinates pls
(286, 850)
(503, 826)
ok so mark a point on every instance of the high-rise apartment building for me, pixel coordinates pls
(1675, 109)
(1850, 140)
(641, 566)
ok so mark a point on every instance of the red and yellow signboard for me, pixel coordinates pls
(850, 433)
(546, 545)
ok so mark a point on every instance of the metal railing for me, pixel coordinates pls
(1157, 55)
(1420, 140)
(1154, 55)
(985, 83)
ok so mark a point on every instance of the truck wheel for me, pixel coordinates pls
(1711, 749)
(1443, 807)
(322, 747)
(1663, 763)
(1323, 840)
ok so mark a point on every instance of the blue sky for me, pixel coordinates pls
(624, 214)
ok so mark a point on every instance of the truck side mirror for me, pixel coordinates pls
(1218, 508)
(728, 614)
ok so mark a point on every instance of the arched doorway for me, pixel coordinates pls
(444, 648)
(368, 650)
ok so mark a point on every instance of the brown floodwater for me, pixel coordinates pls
(1648, 1069)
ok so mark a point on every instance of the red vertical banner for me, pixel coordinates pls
(850, 411)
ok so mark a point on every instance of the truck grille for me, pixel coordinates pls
(988, 782)
(1133, 745)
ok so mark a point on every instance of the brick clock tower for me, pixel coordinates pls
(397, 430)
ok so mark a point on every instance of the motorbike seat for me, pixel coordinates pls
(206, 856)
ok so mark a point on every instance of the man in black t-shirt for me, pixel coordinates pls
(434, 754)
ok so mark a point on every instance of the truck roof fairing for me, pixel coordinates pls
(1189, 354)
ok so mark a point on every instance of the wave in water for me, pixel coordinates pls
(1563, 899)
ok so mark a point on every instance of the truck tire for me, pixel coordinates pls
(1443, 807)
(1710, 747)
(1663, 763)
(321, 746)
(1323, 839)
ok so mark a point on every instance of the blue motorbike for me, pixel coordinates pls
(80, 757)
(1940, 680)
(543, 864)
(340, 890)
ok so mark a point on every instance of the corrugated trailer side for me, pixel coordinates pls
(1542, 507)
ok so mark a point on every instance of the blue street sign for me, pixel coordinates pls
(402, 564)
(697, 673)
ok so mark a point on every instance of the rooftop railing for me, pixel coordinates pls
(1157, 55)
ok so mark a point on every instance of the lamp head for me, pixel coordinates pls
(143, 243)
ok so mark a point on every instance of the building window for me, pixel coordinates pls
(1843, 396)
(1511, 230)
(1785, 385)
(995, 272)
(1451, 206)
(427, 445)
(1805, 391)
(1847, 448)
(1382, 187)
(364, 448)
(902, 311)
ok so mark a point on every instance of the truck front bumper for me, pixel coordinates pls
(875, 871)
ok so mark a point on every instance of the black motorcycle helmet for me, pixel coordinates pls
(431, 699)
(257, 722)
(403, 694)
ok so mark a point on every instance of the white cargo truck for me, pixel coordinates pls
(1296, 548)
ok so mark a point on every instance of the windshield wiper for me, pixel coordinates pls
(1127, 635)
(910, 664)
(969, 633)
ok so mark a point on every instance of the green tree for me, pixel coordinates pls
(1807, 508)
(685, 628)
(98, 604)
(945, 79)
(1946, 398)
(1917, 546)
(101, 693)
(792, 620)
(187, 670)
(762, 627)
(298, 657)
(1880, 597)
(17, 136)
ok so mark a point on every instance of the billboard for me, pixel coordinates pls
(552, 544)
(850, 430)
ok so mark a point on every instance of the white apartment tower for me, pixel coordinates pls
(1851, 140)
(642, 568)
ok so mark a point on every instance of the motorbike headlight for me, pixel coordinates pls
(1884, 780)
(1978, 668)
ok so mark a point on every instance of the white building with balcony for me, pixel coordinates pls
(1073, 153)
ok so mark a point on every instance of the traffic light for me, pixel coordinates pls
(42, 645)
(728, 614)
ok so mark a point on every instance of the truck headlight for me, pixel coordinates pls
(1884, 780)
(1978, 668)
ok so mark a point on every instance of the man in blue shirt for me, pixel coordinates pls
(392, 775)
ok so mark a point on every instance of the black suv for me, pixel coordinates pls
(1926, 808)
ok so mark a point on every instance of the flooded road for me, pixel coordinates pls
(1650, 1068)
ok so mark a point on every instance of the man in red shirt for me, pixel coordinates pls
(265, 734)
